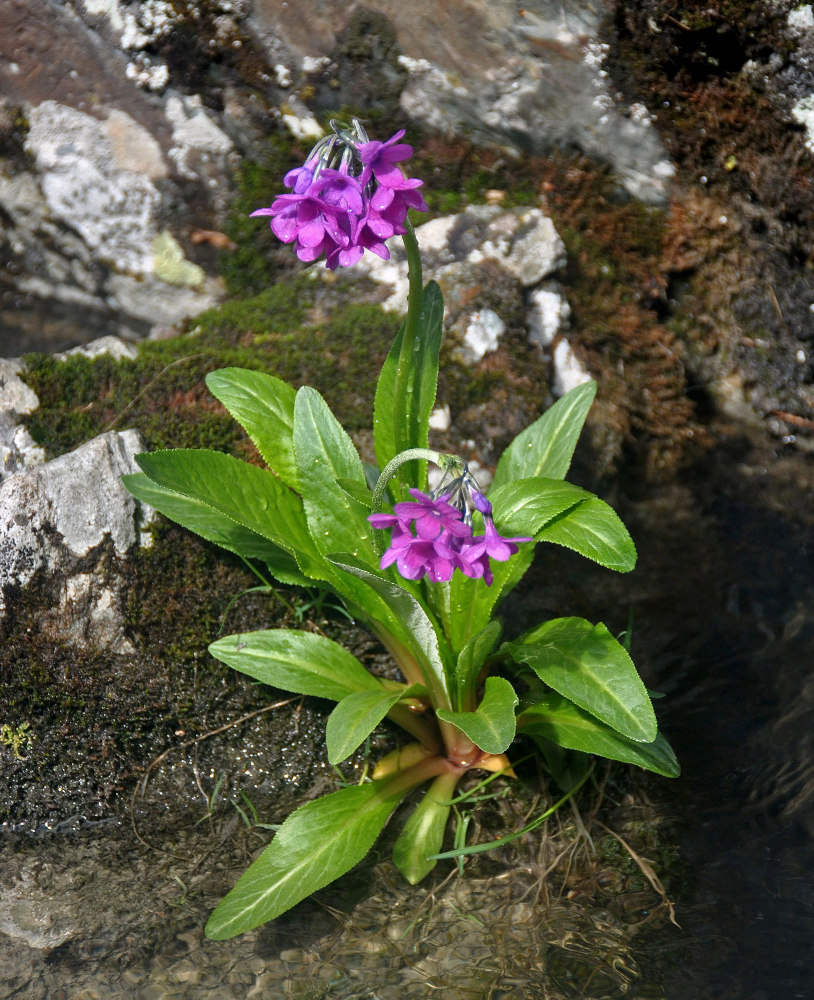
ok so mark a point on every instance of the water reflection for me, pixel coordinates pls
(724, 626)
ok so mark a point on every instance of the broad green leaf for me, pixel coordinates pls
(525, 506)
(264, 406)
(326, 456)
(423, 833)
(547, 446)
(355, 718)
(596, 531)
(417, 630)
(302, 662)
(216, 527)
(254, 498)
(405, 393)
(470, 660)
(560, 721)
(492, 725)
(586, 664)
(356, 490)
(319, 842)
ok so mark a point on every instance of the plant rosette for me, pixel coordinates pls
(423, 569)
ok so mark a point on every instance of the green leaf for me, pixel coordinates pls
(216, 527)
(586, 664)
(596, 531)
(492, 725)
(319, 842)
(355, 718)
(326, 456)
(302, 662)
(560, 721)
(264, 406)
(470, 660)
(416, 629)
(415, 383)
(525, 506)
(567, 767)
(254, 498)
(423, 833)
(547, 446)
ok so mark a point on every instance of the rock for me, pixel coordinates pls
(197, 140)
(548, 311)
(15, 395)
(523, 242)
(115, 347)
(482, 334)
(84, 225)
(524, 78)
(18, 449)
(112, 207)
(34, 916)
(568, 370)
(440, 418)
(69, 519)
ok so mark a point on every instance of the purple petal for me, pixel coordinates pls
(311, 234)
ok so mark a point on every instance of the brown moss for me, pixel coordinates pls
(737, 252)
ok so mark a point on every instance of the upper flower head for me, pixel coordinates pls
(349, 196)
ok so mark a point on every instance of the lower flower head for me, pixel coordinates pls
(432, 534)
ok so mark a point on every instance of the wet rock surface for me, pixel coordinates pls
(529, 77)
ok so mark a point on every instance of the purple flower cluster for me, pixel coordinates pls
(443, 539)
(349, 196)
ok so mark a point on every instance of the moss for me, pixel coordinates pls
(283, 330)
(99, 715)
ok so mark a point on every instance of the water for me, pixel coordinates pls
(723, 625)
(723, 602)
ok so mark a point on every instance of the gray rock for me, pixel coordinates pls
(69, 519)
(548, 311)
(84, 225)
(523, 241)
(17, 448)
(569, 372)
(15, 396)
(33, 916)
(528, 78)
(89, 188)
(115, 347)
(482, 334)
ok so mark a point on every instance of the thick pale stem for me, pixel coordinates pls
(424, 770)
(420, 726)
(458, 747)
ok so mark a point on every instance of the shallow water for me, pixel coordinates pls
(723, 625)
(727, 629)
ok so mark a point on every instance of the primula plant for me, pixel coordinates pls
(423, 567)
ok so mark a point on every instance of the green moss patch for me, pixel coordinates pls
(287, 330)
